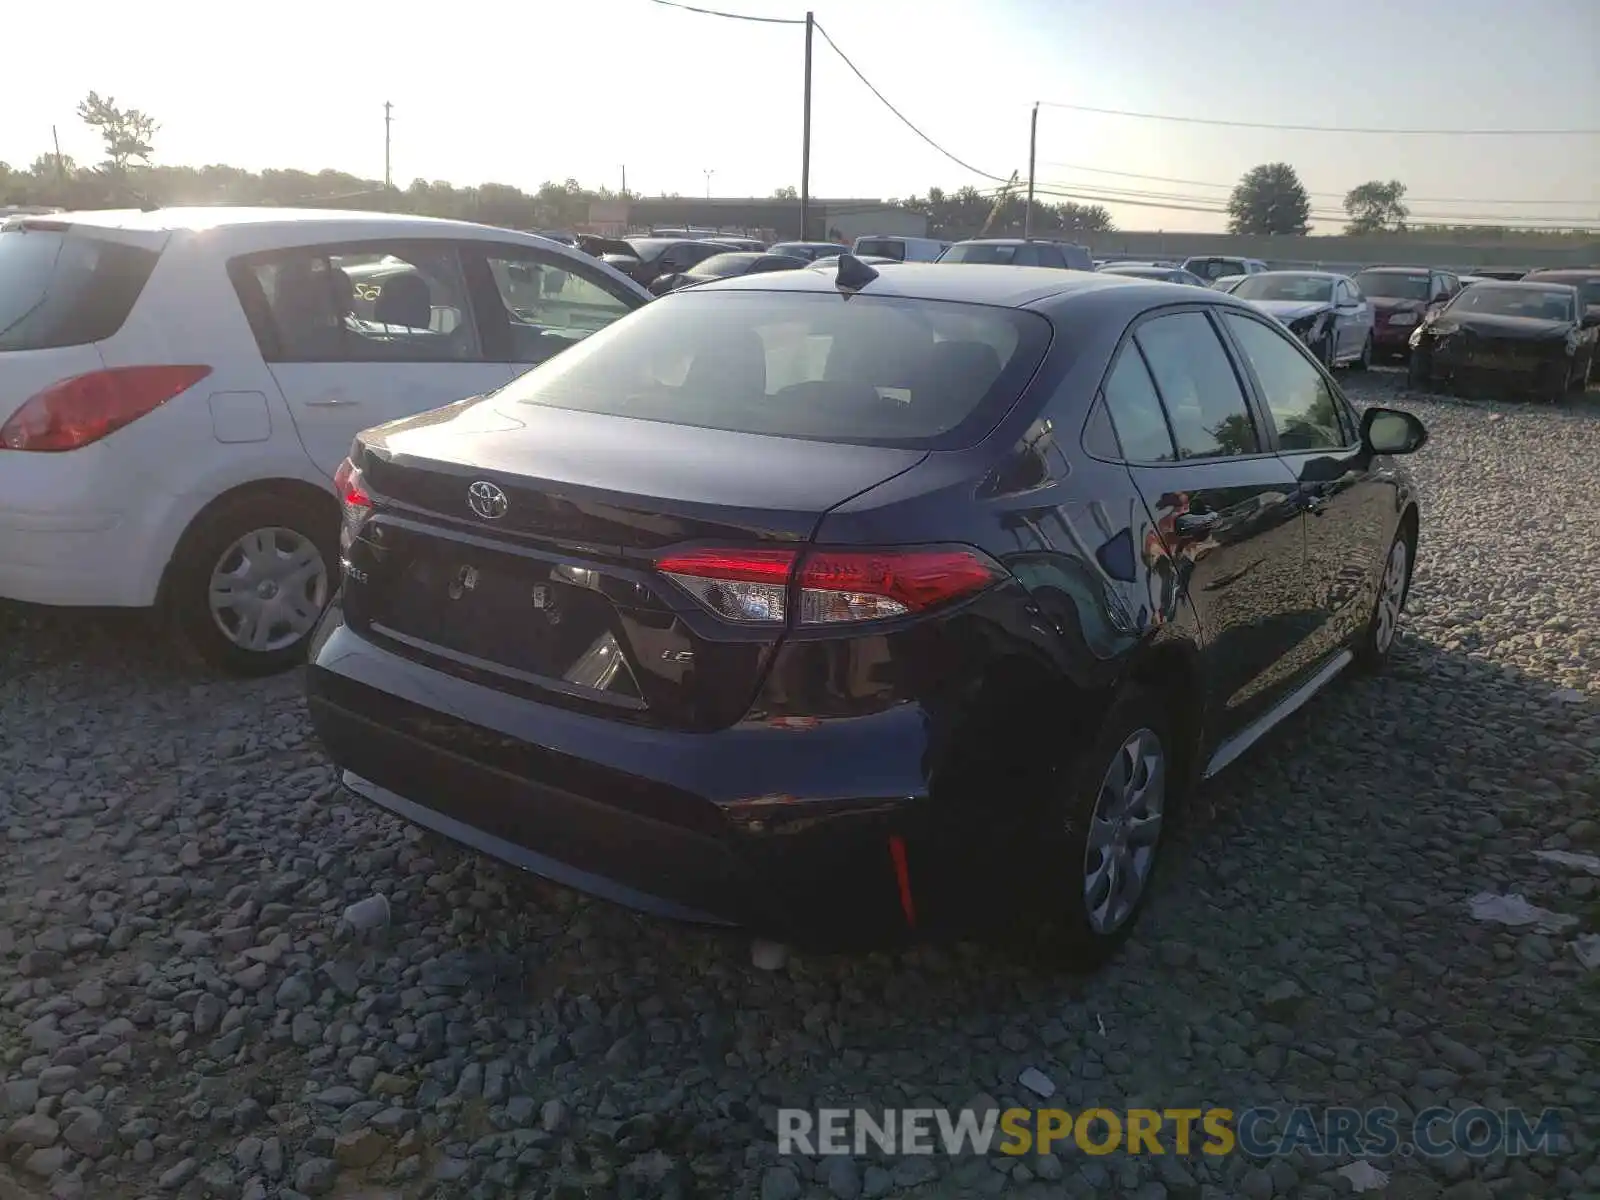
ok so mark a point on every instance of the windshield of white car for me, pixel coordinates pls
(1537, 304)
(1309, 289)
(1393, 285)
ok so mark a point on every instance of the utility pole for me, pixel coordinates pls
(61, 163)
(624, 181)
(709, 172)
(805, 142)
(1033, 146)
(388, 120)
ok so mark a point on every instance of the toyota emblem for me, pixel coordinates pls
(488, 501)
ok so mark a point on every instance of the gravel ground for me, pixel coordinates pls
(182, 1013)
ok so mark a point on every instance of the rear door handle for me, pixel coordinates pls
(332, 400)
(1192, 523)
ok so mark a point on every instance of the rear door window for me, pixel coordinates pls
(881, 371)
(1204, 401)
(66, 288)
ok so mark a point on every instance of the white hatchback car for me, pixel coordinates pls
(178, 388)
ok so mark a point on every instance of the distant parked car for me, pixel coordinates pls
(1228, 283)
(556, 235)
(179, 387)
(1506, 274)
(1401, 297)
(1585, 279)
(1212, 267)
(831, 263)
(1151, 271)
(901, 249)
(1020, 252)
(664, 256)
(1469, 280)
(810, 251)
(725, 266)
(1325, 311)
(1531, 336)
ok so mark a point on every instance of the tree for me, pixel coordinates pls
(786, 193)
(1269, 199)
(1072, 217)
(1376, 207)
(127, 132)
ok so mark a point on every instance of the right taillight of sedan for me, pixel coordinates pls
(832, 587)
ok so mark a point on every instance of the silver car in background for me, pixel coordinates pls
(1325, 311)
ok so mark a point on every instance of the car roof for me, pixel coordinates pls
(1561, 273)
(204, 217)
(983, 283)
(1292, 271)
(741, 255)
(1528, 285)
(1004, 241)
(1396, 270)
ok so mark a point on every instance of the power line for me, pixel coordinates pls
(1144, 116)
(712, 12)
(1217, 208)
(1327, 195)
(1326, 212)
(906, 121)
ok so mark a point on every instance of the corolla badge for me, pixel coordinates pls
(488, 501)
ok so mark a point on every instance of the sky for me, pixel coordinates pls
(515, 92)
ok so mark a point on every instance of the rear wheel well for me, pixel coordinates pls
(295, 491)
(1173, 675)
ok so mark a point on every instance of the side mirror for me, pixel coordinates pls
(1591, 318)
(1390, 431)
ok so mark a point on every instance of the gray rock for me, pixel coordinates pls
(842, 1177)
(174, 1177)
(780, 1183)
(35, 1129)
(316, 1176)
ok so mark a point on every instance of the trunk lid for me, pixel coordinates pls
(555, 595)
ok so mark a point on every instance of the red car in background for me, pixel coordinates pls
(1401, 298)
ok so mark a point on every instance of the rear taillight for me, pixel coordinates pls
(835, 586)
(354, 502)
(79, 411)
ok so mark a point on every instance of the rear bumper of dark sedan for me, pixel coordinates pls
(812, 835)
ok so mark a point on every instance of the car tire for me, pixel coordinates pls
(1579, 383)
(1394, 586)
(1090, 802)
(1365, 361)
(271, 554)
(1327, 351)
(1417, 372)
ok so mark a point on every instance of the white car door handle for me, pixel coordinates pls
(332, 400)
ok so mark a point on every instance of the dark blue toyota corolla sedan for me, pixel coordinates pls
(865, 604)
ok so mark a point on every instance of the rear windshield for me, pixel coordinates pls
(1535, 303)
(1306, 288)
(719, 266)
(980, 252)
(883, 248)
(1214, 268)
(65, 289)
(873, 371)
(1392, 285)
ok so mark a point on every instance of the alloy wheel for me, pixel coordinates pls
(1124, 831)
(268, 589)
(1392, 594)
